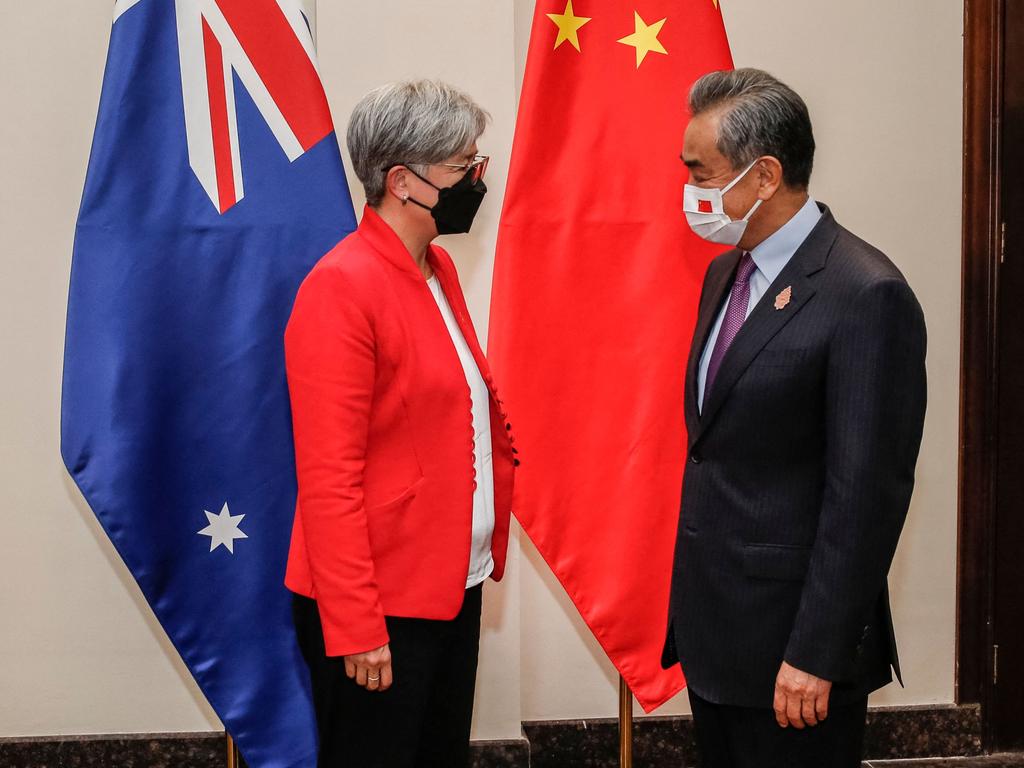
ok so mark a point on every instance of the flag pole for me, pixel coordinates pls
(625, 725)
(234, 760)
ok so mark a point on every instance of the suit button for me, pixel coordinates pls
(508, 426)
(515, 462)
(515, 450)
(696, 458)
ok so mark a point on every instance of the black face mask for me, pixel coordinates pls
(456, 205)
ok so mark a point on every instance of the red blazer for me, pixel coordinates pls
(384, 441)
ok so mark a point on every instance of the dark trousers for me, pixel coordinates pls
(423, 720)
(744, 737)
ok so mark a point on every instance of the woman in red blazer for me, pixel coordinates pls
(403, 450)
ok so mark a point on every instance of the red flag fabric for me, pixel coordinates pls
(596, 283)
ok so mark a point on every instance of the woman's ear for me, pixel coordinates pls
(397, 182)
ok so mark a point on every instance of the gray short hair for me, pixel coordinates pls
(416, 122)
(760, 116)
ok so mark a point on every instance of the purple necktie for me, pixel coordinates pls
(735, 314)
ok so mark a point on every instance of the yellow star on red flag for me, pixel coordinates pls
(568, 24)
(644, 38)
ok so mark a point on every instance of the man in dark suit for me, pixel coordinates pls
(805, 398)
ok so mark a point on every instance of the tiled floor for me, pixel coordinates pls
(1015, 760)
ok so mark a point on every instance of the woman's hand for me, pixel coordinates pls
(371, 669)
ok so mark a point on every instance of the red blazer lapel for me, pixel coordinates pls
(444, 268)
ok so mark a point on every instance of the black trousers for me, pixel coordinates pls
(423, 720)
(744, 737)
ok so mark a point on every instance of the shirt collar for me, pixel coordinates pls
(773, 254)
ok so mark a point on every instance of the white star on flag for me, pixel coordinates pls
(223, 529)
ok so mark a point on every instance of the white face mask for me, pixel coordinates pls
(705, 212)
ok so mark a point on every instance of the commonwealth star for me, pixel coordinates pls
(223, 529)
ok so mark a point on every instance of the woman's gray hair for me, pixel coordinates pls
(416, 122)
(760, 116)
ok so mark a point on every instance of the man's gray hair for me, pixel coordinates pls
(760, 116)
(416, 123)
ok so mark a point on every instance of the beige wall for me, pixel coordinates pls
(79, 650)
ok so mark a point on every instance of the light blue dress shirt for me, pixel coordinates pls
(770, 257)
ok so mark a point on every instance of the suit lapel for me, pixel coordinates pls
(766, 321)
(711, 303)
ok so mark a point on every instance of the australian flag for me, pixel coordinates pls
(214, 185)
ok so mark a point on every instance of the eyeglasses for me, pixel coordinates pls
(475, 167)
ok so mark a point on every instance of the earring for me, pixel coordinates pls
(405, 199)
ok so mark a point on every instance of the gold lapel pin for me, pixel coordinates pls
(783, 299)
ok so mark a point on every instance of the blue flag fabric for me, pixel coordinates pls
(215, 183)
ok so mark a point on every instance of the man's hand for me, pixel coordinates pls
(372, 669)
(800, 698)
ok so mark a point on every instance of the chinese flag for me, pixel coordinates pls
(596, 283)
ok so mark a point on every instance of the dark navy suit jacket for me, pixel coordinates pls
(798, 476)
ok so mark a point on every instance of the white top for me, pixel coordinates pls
(480, 562)
(770, 257)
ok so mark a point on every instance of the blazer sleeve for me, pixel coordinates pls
(330, 361)
(875, 403)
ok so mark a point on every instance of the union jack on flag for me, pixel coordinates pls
(215, 183)
(269, 46)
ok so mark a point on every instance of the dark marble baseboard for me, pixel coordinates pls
(1005, 760)
(900, 733)
(186, 750)
(500, 754)
(658, 742)
(144, 750)
(668, 742)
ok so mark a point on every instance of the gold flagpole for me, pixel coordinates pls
(625, 725)
(234, 761)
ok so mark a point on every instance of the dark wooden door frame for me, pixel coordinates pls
(983, 79)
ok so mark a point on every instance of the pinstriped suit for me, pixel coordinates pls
(798, 477)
